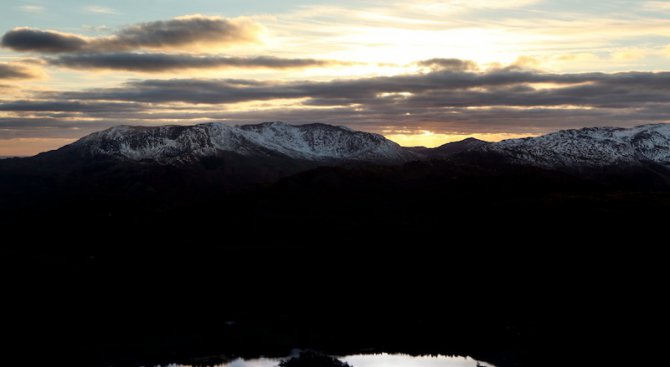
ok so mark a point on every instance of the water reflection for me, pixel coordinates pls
(369, 360)
(403, 360)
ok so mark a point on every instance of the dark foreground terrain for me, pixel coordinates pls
(143, 246)
(425, 203)
(111, 265)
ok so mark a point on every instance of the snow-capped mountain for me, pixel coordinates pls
(590, 147)
(183, 144)
(319, 144)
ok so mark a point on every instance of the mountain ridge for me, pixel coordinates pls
(272, 150)
(590, 147)
(183, 144)
(449, 149)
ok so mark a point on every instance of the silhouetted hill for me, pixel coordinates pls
(449, 149)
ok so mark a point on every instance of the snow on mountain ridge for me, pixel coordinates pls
(601, 146)
(169, 144)
(588, 147)
(318, 140)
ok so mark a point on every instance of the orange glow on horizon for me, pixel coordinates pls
(430, 139)
(25, 147)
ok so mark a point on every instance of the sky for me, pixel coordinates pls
(420, 72)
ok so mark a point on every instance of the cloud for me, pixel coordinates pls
(454, 6)
(32, 8)
(183, 31)
(195, 31)
(656, 5)
(496, 100)
(442, 88)
(407, 31)
(97, 9)
(190, 32)
(44, 127)
(67, 106)
(17, 71)
(35, 40)
(449, 64)
(161, 62)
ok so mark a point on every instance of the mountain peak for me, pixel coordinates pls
(470, 140)
(467, 142)
(593, 146)
(180, 144)
(449, 149)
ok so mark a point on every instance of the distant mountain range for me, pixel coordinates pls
(320, 144)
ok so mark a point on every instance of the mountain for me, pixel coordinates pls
(269, 151)
(298, 147)
(590, 147)
(566, 149)
(449, 149)
(188, 144)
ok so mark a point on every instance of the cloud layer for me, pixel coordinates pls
(155, 47)
(161, 62)
(457, 97)
(435, 89)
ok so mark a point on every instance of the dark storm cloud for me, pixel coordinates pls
(35, 40)
(14, 71)
(160, 62)
(174, 33)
